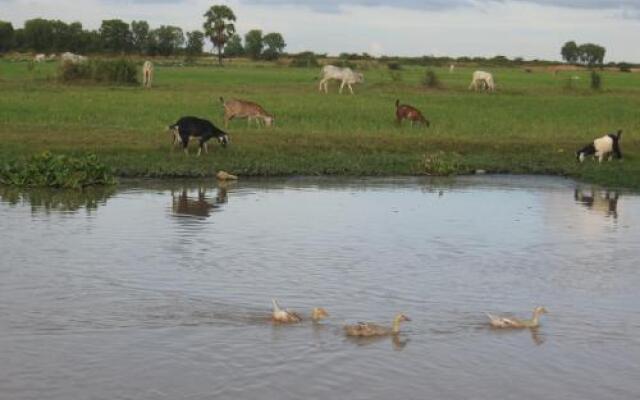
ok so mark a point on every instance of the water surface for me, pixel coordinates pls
(162, 290)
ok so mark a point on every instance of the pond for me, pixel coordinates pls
(161, 290)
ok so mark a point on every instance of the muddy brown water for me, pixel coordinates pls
(162, 290)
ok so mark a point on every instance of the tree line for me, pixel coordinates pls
(116, 36)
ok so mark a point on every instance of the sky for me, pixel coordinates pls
(514, 28)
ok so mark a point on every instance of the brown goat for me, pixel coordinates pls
(405, 111)
(245, 109)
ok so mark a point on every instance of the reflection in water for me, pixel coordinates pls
(200, 206)
(47, 199)
(397, 341)
(603, 201)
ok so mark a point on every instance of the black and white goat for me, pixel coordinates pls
(197, 128)
(607, 145)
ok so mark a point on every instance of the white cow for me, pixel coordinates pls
(482, 81)
(39, 58)
(73, 58)
(452, 68)
(346, 75)
(147, 74)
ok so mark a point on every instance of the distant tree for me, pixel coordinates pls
(19, 39)
(234, 48)
(90, 42)
(275, 44)
(170, 39)
(591, 54)
(253, 44)
(6, 36)
(195, 43)
(570, 52)
(219, 26)
(116, 36)
(38, 35)
(140, 36)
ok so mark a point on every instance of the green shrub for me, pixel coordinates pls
(442, 164)
(624, 67)
(306, 59)
(430, 79)
(120, 71)
(394, 66)
(596, 81)
(58, 171)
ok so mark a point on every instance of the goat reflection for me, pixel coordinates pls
(200, 206)
(602, 201)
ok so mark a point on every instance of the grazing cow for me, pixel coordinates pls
(245, 109)
(607, 145)
(405, 111)
(197, 128)
(482, 81)
(73, 58)
(39, 58)
(345, 75)
(147, 74)
(452, 68)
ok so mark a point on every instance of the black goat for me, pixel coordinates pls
(198, 128)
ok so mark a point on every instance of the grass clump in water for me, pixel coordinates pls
(57, 170)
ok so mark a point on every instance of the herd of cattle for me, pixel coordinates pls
(193, 128)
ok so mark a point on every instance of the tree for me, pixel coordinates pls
(570, 52)
(275, 45)
(6, 36)
(38, 35)
(195, 43)
(219, 27)
(170, 39)
(140, 35)
(234, 47)
(591, 54)
(116, 36)
(253, 43)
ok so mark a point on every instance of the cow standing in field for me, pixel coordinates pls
(39, 58)
(345, 75)
(147, 74)
(482, 81)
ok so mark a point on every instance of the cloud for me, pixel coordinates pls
(334, 6)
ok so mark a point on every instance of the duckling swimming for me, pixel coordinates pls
(318, 314)
(512, 322)
(365, 329)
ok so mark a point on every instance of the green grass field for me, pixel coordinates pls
(532, 124)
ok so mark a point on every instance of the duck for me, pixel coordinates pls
(283, 316)
(318, 314)
(512, 322)
(367, 329)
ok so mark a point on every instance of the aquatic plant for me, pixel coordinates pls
(57, 170)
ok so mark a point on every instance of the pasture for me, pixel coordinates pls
(533, 123)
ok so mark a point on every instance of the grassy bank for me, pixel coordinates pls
(533, 124)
